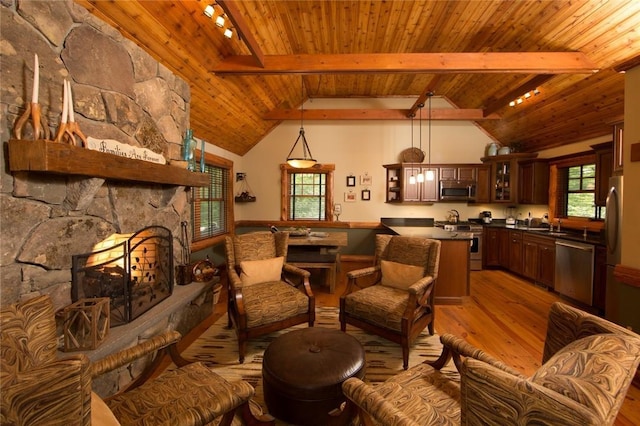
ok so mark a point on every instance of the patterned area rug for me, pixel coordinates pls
(218, 349)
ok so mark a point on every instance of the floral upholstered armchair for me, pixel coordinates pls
(588, 365)
(262, 297)
(395, 297)
(38, 388)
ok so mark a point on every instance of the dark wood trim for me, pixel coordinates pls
(627, 275)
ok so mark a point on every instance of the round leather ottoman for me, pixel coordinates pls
(303, 371)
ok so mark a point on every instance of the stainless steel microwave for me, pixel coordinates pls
(457, 190)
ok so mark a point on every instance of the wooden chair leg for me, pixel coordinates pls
(251, 419)
(405, 355)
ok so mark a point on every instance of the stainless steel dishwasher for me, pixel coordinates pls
(574, 270)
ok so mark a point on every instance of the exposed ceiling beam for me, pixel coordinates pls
(503, 101)
(628, 64)
(242, 29)
(436, 63)
(376, 114)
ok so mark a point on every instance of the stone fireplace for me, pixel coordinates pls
(135, 271)
(122, 93)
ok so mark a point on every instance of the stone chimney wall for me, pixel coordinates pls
(120, 92)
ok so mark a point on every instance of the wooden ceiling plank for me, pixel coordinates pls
(470, 62)
(376, 114)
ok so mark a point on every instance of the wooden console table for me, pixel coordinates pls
(318, 252)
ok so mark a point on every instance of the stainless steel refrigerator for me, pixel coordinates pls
(621, 299)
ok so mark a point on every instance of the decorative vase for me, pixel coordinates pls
(188, 150)
(492, 149)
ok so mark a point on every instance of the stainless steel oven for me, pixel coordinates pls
(476, 244)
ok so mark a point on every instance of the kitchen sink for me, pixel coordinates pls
(557, 234)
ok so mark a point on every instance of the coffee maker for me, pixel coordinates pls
(485, 216)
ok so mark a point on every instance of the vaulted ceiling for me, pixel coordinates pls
(478, 54)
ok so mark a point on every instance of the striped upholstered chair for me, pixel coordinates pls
(265, 293)
(38, 388)
(588, 365)
(394, 298)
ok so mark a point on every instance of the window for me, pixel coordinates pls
(577, 194)
(212, 212)
(307, 194)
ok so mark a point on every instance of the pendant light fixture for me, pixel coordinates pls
(307, 159)
(430, 174)
(412, 178)
(420, 175)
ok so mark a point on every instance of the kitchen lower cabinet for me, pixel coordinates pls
(496, 247)
(539, 258)
(515, 251)
(600, 278)
(491, 246)
(505, 246)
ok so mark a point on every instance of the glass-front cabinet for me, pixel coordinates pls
(503, 176)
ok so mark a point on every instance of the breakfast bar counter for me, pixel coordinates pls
(454, 278)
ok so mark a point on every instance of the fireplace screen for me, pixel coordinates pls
(134, 270)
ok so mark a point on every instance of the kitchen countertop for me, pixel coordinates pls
(430, 232)
(567, 234)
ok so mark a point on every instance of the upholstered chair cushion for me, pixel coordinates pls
(260, 271)
(101, 415)
(399, 275)
(379, 304)
(273, 301)
(580, 369)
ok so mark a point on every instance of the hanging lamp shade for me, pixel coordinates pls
(305, 160)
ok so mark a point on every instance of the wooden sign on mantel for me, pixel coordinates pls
(114, 147)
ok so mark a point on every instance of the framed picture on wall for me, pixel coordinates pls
(351, 181)
(366, 195)
(366, 180)
(350, 197)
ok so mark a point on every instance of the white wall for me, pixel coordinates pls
(631, 188)
(361, 147)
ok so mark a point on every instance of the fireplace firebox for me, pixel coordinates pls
(134, 270)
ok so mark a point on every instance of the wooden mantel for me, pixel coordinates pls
(53, 157)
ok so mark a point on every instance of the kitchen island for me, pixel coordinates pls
(453, 274)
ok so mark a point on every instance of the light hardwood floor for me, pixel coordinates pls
(505, 316)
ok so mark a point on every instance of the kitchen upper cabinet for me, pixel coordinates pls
(426, 191)
(400, 190)
(483, 191)
(533, 182)
(504, 176)
(395, 180)
(604, 170)
(458, 173)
